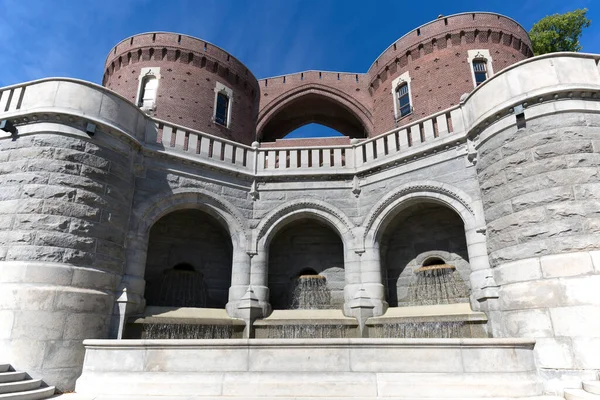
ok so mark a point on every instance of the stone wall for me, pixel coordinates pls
(540, 187)
(64, 207)
(195, 238)
(419, 232)
(302, 246)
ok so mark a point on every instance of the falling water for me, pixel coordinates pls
(429, 329)
(311, 293)
(178, 288)
(310, 331)
(437, 284)
(186, 331)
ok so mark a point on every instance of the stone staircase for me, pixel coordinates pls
(19, 386)
(590, 391)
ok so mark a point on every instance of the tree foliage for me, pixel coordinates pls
(559, 32)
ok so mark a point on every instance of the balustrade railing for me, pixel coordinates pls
(361, 154)
(173, 138)
(11, 98)
(65, 95)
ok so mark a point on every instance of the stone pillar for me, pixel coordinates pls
(240, 278)
(133, 280)
(259, 279)
(484, 291)
(540, 188)
(240, 273)
(64, 209)
(352, 276)
(371, 279)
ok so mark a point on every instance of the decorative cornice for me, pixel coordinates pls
(307, 205)
(426, 187)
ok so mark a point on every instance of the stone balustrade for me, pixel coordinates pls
(50, 99)
(75, 99)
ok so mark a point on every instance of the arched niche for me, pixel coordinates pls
(189, 262)
(305, 248)
(422, 236)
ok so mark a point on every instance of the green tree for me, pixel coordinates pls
(559, 32)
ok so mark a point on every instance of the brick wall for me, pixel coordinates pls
(356, 104)
(189, 70)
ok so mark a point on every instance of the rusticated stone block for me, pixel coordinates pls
(547, 293)
(533, 323)
(561, 265)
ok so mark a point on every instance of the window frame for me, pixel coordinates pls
(222, 90)
(145, 74)
(222, 119)
(477, 62)
(406, 96)
(401, 81)
(477, 56)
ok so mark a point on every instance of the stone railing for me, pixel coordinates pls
(365, 154)
(201, 146)
(526, 83)
(11, 98)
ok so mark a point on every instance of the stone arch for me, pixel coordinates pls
(300, 234)
(398, 255)
(294, 210)
(153, 209)
(430, 191)
(162, 204)
(313, 103)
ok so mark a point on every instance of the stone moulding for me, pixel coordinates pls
(277, 104)
(454, 198)
(157, 206)
(486, 105)
(333, 368)
(318, 208)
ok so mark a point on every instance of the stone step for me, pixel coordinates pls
(580, 394)
(37, 394)
(4, 367)
(20, 386)
(11, 376)
(592, 387)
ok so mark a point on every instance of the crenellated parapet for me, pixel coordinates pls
(188, 73)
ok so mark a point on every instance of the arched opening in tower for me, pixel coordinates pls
(306, 267)
(313, 109)
(189, 261)
(424, 257)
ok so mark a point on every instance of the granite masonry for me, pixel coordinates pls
(177, 170)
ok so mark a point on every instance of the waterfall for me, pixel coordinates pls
(178, 288)
(186, 331)
(311, 293)
(437, 284)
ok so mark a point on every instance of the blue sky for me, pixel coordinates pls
(42, 38)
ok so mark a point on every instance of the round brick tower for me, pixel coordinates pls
(180, 79)
(436, 61)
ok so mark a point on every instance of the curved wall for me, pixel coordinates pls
(189, 71)
(435, 56)
(539, 181)
(64, 208)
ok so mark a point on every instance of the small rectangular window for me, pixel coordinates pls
(404, 107)
(480, 70)
(222, 109)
